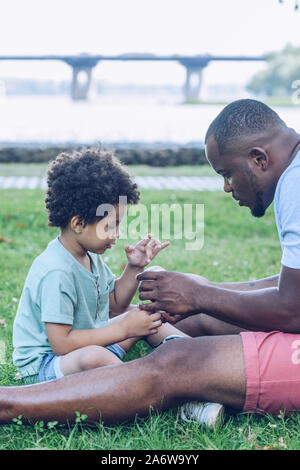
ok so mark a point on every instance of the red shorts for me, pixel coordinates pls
(272, 368)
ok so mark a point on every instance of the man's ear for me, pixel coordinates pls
(259, 158)
(76, 224)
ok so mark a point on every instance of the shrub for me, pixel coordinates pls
(129, 155)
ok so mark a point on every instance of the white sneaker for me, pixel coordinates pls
(210, 414)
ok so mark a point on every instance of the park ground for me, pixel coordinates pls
(236, 247)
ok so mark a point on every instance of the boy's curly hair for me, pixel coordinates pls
(81, 181)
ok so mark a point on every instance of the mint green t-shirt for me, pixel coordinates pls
(58, 289)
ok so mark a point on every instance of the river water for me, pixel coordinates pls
(109, 119)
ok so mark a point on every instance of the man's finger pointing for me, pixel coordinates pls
(148, 275)
(146, 286)
(150, 307)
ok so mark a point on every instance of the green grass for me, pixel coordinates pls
(237, 247)
(39, 169)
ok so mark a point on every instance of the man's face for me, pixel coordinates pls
(239, 178)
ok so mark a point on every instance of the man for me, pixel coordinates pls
(247, 351)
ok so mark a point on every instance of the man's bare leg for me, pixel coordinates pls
(205, 325)
(205, 369)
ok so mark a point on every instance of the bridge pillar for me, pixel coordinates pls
(82, 67)
(81, 82)
(193, 80)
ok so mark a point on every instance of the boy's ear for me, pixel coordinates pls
(76, 224)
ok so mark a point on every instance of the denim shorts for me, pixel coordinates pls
(50, 368)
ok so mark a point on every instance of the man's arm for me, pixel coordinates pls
(270, 308)
(271, 281)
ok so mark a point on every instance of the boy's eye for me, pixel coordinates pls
(112, 226)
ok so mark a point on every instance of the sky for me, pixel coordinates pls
(223, 27)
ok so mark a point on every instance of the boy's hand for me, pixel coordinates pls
(144, 251)
(138, 322)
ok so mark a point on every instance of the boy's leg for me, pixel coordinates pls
(127, 344)
(87, 358)
(165, 330)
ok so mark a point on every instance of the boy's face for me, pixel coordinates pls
(100, 236)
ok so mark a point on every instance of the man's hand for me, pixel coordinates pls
(170, 291)
(144, 251)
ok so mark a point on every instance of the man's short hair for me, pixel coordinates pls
(242, 118)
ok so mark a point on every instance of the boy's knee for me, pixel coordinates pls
(155, 268)
(96, 356)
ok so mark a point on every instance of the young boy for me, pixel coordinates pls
(62, 325)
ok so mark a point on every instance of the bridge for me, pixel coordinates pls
(83, 64)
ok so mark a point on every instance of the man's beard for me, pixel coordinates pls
(258, 209)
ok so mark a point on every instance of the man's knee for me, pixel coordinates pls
(168, 371)
(173, 356)
(207, 368)
(197, 325)
(205, 325)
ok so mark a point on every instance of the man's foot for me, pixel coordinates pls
(210, 414)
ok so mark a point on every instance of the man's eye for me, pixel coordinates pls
(228, 179)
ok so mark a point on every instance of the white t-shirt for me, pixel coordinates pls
(287, 213)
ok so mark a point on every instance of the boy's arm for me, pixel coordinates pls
(125, 288)
(63, 339)
(139, 256)
(136, 323)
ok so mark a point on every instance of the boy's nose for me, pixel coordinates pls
(115, 235)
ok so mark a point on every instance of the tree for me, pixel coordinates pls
(296, 4)
(283, 68)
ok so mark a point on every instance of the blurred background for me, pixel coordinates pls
(139, 75)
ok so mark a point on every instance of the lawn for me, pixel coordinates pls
(236, 247)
